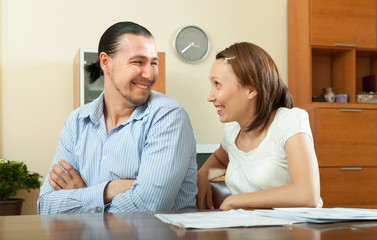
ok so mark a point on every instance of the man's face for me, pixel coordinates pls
(133, 70)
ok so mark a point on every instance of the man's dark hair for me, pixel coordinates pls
(109, 43)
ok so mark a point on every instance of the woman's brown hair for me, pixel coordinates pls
(254, 67)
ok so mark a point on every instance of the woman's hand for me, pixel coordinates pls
(214, 167)
(227, 203)
(204, 192)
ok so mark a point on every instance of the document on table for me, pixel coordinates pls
(221, 219)
(320, 215)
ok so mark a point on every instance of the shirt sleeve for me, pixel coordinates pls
(291, 122)
(84, 200)
(166, 167)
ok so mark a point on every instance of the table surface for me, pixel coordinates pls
(146, 226)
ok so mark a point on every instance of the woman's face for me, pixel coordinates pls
(232, 101)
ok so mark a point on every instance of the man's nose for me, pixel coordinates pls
(148, 72)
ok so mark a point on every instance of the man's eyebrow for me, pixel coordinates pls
(144, 57)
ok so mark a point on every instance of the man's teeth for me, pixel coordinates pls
(142, 86)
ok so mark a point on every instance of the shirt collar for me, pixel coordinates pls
(94, 110)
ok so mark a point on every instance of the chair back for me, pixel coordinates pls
(219, 193)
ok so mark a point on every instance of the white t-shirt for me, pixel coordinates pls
(265, 166)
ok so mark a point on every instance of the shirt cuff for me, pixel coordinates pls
(92, 198)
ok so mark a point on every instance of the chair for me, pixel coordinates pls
(219, 192)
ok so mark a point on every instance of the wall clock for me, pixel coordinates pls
(191, 44)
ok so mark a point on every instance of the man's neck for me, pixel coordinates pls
(115, 112)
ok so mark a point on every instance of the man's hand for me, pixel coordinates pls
(115, 187)
(59, 179)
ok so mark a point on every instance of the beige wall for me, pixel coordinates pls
(1, 78)
(39, 39)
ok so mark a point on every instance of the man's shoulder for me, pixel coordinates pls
(158, 100)
(83, 112)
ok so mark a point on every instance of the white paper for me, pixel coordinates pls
(221, 219)
(320, 215)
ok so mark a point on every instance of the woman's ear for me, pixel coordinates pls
(252, 92)
(105, 62)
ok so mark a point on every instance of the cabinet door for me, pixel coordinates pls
(348, 186)
(346, 137)
(344, 22)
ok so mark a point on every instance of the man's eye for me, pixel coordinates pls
(154, 63)
(137, 62)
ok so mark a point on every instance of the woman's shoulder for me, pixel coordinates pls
(291, 121)
(291, 114)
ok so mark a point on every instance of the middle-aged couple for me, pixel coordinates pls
(133, 149)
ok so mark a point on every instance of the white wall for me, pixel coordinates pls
(39, 39)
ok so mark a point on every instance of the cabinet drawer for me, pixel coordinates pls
(346, 137)
(348, 186)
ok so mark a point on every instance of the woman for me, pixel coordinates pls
(267, 147)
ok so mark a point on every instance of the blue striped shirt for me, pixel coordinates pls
(156, 145)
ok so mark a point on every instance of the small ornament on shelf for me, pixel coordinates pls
(342, 98)
(364, 97)
(328, 94)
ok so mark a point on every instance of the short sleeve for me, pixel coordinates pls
(291, 122)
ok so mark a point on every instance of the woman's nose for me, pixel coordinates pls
(211, 96)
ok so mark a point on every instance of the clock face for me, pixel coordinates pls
(191, 44)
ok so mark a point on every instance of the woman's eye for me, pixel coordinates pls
(217, 84)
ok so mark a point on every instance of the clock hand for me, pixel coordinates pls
(188, 46)
(194, 45)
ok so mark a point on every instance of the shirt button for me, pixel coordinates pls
(104, 157)
(92, 211)
(99, 209)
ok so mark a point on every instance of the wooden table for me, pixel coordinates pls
(146, 226)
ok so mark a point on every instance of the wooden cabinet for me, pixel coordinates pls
(333, 44)
(346, 147)
(85, 92)
(314, 64)
(343, 23)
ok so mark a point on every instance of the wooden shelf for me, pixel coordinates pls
(335, 68)
(345, 105)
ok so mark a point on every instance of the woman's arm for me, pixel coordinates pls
(304, 191)
(214, 167)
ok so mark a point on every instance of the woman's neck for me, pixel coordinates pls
(249, 140)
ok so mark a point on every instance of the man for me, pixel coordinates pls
(131, 149)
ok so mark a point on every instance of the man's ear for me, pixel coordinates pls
(105, 62)
(252, 92)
